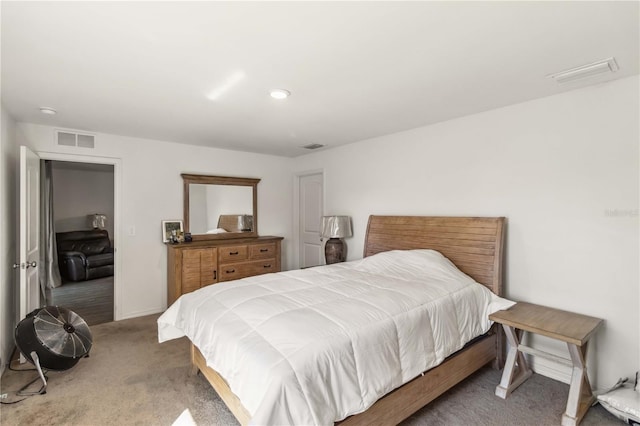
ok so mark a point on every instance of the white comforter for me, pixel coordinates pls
(314, 346)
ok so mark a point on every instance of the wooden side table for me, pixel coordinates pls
(572, 328)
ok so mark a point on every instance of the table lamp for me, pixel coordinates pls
(98, 220)
(335, 228)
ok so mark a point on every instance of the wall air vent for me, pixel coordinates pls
(313, 146)
(65, 138)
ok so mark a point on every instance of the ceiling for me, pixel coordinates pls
(199, 72)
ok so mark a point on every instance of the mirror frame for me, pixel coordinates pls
(188, 179)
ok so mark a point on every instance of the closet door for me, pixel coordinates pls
(311, 200)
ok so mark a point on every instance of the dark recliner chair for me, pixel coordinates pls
(84, 255)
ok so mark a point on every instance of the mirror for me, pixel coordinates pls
(217, 207)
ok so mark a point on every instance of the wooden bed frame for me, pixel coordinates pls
(475, 246)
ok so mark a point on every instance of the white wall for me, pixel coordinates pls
(78, 193)
(151, 191)
(563, 170)
(8, 214)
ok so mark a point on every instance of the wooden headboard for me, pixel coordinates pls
(473, 244)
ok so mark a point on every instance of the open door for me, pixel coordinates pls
(29, 238)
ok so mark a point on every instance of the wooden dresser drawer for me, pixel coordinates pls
(194, 265)
(231, 254)
(262, 251)
(236, 271)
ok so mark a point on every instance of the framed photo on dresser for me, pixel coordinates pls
(172, 231)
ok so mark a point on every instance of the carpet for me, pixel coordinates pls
(92, 300)
(131, 379)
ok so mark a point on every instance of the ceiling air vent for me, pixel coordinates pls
(604, 66)
(313, 146)
(75, 139)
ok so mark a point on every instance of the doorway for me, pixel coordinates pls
(310, 203)
(30, 296)
(83, 222)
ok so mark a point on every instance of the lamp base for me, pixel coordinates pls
(335, 251)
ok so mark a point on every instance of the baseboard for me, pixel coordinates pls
(550, 369)
(141, 313)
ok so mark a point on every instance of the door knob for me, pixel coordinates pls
(25, 265)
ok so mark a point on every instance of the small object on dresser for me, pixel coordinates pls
(172, 231)
(177, 237)
(187, 237)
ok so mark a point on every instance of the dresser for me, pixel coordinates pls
(194, 265)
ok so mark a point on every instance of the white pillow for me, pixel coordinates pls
(217, 231)
(412, 263)
(426, 264)
(624, 403)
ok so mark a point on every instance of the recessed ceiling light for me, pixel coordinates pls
(279, 94)
(47, 110)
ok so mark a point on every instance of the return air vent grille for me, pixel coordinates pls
(75, 139)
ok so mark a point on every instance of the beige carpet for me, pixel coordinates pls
(130, 379)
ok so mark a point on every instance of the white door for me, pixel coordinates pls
(311, 208)
(29, 238)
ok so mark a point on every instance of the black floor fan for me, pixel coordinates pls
(52, 338)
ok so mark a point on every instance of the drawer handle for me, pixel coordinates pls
(266, 266)
(233, 253)
(231, 271)
(215, 274)
(263, 250)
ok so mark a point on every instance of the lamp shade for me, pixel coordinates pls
(336, 227)
(98, 220)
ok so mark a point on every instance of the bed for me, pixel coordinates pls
(473, 245)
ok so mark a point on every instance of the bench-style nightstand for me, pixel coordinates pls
(574, 329)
